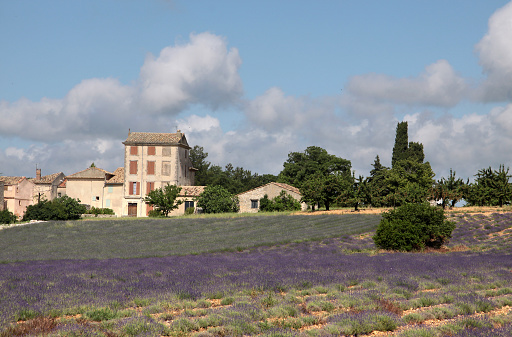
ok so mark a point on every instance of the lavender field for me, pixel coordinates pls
(325, 279)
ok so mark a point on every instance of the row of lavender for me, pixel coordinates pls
(54, 287)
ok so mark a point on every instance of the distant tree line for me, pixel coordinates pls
(325, 180)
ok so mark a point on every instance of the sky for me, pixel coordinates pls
(251, 81)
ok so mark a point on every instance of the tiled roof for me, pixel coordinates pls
(11, 180)
(191, 191)
(90, 172)
(155, 138)
(118, 177)
(282, 185)
(46, 179)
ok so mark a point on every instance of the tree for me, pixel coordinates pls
(377, 183)
(300, 166)
(217, 199)
(491, 188)
(401, 144)
(198, 159)
(324, 189)
(413, 227)
(409, 181)
(164, 200)
(448, 190)
(358, 192)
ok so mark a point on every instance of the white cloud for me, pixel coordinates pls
(495, 52)
(438, 85)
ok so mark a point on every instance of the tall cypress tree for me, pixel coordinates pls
(401, 144)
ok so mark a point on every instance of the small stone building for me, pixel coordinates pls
(46, 186)
(18, 194)
(250, 200)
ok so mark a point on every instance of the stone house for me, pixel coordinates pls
(153, 160)
(18, 194)
(2, 196)
(46, 186)
(188, 194)
(113, 191)
(250, 200)
(91, 188)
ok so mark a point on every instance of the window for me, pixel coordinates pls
(133, 167)
(107, 203)
(189, 204)
(150, 187)
(134, 188)
(96, 198)
(151, 151)
(110, 189)
(151, 167)
(254, 203)
(134, 150)
(166, 151)
(59, 194)
(166, 168)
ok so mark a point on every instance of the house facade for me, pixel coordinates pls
(88, 186)
(18, 194)
(250, 200)
(153, 160)
(46, 187)
(2, 196)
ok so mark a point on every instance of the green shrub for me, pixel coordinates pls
(282, 202)
(95, 210)
(155, 213)
(413, 227)
(63, 208)
(189, 211)
(217, 199)
(7, 217)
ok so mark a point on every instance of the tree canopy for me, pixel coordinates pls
(164, 199)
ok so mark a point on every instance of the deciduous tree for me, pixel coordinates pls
(164, 199)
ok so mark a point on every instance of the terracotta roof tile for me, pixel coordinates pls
(11, 180)
(90, 172)
(155, 138)
(118, 176)
(191, 191)
(46, 179)
(282, 185)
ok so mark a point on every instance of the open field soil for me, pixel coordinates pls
(325, 279)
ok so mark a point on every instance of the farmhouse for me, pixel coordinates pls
(18, 194)
(153, 160)
(46, 186)
(250, 200)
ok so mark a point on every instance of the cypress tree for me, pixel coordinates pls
(401, 144)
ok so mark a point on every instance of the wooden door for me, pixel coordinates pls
(132, 209)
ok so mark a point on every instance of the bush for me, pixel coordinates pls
(189, 211)
(216, 199)
(155, 213)
(413, 227)
(7, 217)
(97, 211)
(283, 202)
(63, 208)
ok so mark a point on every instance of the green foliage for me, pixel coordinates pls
(7, 217)
(233, 179)
(408, 181)
(216, 199)
(313, 162)
(164, 200)
(326, 189)
(189, 211)
(282, 202)
(401, 144)
(63, 208)
(95, 210)
(413, 227)
(448, 190)
(491, 188)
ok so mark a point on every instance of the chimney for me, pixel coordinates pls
(38, 174)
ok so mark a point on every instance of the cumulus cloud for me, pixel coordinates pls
(438, 85)
(202, 71)
(495, 53)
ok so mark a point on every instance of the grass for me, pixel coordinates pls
(135, 238)
(253, 284)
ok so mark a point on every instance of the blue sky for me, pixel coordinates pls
(251, 81)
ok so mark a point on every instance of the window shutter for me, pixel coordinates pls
(134, 150)
(151, 151)
(138, 188)
(133, 167)
(151, 167)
